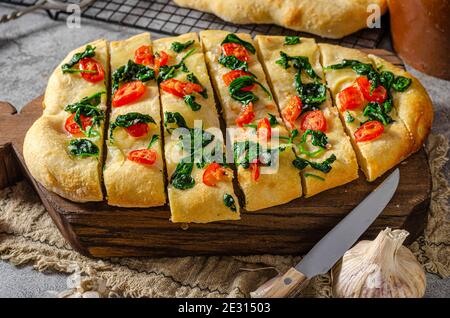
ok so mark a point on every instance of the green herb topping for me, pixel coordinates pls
(228, 200)
(128, 120)
(89, 51)
(131, 72)
(83, 148)
(88, 107)
(181, 179)
(324, 166)
(291, 40)
(178, 47)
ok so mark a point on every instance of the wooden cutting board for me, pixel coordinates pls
(99, 230)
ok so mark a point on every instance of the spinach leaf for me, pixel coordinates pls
(374, 112)
(311, 94)
(190, 101)
(89, 51)
(171, 119)
(228, 200)
(348, 117)
(193, 79)
(361, 69)
(291, 40)
(247, 152)
(298, 62)
(233, 63)
(344, 64)
(324, 166)
(131, 72)
(181, 179)
(154, 139)
(128, 120)
(314, 176)
(387, 79)
(166, 72)
(272, 120)
(87, 107)
(318, 138)
(178, 47)
(401, 83)
(83, 148)
(233, 38)
(245, 97)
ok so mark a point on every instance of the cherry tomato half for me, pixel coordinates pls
(314, 120)
(237, 50)
(128, 93)
(351, 98)
(378, 95)
(161, 59)
(369, 131)
(179, 88)
(254, 167)
(143, 55)
(90, 64)
(292, 110)
(143, 156)
(213, 174)
(232, 75)
(137, 130)
(72, 127)
(264, 130)
(246, 116)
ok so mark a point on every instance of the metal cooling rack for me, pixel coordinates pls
(163, 16)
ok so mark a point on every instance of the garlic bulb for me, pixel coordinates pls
(382, 268)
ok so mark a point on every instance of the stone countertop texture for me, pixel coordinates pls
(32, 46)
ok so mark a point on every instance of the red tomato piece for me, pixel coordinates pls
(351, 98)
(161, 59)
(90, 64)
(292, 110)
(314, 120)
(232, 75)
(143, 55)
(143, 156)
(72, 127)
(213, 174)
(237, 50)
(180, 89)
(369, 131)
(254, 167)
(128, 93)
(378, 95)
(137, 130)
(246, 116)
(264, 130)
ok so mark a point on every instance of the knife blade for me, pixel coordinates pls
(335, 243)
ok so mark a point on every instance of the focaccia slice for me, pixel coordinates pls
(200, 189)
(133, 173)
(375, 156)
(345, 168)
(63, 149)
(281, 183)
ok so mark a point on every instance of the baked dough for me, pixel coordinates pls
(345, 168)
(271, 188)
(201, 203)
(330, 19)
(127, 183)
(395, 144)
(46, 143)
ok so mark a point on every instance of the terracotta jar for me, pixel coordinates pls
(421, 34)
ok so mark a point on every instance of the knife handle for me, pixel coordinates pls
(282, 285)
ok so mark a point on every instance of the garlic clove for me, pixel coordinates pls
(382, 268)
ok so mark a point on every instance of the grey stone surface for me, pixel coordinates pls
(33, 45)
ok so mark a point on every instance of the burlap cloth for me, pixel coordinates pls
(28, 236)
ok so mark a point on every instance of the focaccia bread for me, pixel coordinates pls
(262, 188)
(63, 149)
(379, 145)
(200, 190)
(314, 120)
(330, 19)
(133, 173)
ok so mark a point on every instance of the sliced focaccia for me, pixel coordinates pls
(378, 134)
(306, 108)
(63, 148)
(133, 173)
(250, 110)
(200, 187)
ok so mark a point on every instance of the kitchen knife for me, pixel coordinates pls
(333, 245)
